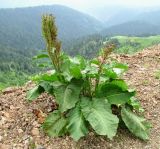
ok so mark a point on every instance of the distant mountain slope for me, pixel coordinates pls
(151, 17)
(122, 16)
(132, 22)
(117, 15)
(132, 28)
(21, 27)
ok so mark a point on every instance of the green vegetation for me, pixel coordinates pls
(157, 75)
(89, 93)
(15, 66)
(12, 79)
(88, 46)
(23, 29)
(20, 38)
(130, 45)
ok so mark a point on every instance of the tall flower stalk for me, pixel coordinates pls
(53, 46)
(104, 55)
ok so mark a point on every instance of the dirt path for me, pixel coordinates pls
(20, 127)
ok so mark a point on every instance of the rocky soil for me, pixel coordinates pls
(20, 121)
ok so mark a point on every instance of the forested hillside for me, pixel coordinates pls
(15, 66)
(133, 28)
(89, 46)
(20, 37)
(21, 27)
(131, 45)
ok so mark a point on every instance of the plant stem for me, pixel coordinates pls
(89, 87)
(99, 72)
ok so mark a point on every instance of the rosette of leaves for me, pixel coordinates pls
(89, 93)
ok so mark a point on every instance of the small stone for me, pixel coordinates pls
(6, 114)
(35, 132)
(26, 137)
(35, 124)
(2, 121)
(12, 107)
(20, 131)
(8, 90)
(3, 146)
(1, 138)
(40, 147)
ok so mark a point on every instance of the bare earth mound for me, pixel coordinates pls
(20, 120)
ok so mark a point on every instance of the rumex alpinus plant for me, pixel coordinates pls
(89, 93)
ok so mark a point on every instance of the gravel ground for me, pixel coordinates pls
(20, 121)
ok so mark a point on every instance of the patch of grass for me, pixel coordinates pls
(12, 78)
(145, 82)
(130, 45)
(157, 74)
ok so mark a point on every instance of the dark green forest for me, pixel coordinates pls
(15, 66)
(21, 39)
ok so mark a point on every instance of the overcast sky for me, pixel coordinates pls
(82, 5)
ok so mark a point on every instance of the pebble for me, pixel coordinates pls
(1, 138)
(3, 146)
(3, 121)
(35, 131)
(36, 124)
(25, 137)
(12, 107)
(40, 147)
(6, 114)
(20, 131)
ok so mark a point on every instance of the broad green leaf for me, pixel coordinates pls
(50, 76)
(77, 125)
(41, 56)
(114, 70)
(120, 68)
(120, 83)
(55, 124)
(68, 95)
(34, 93)
(91, 70)
(137, 125)
(98, 113)
(75, 71)
(111, 74)
(59, 90)
(45, 77)
(68, 77)
(115, 94)
(76, 65)
(65, 68)
(47, 87)
(135, 104)
(72, 68)
(95, 61)
(78, 60)
(103, 78)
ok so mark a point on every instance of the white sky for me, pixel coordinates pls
(82, 5)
